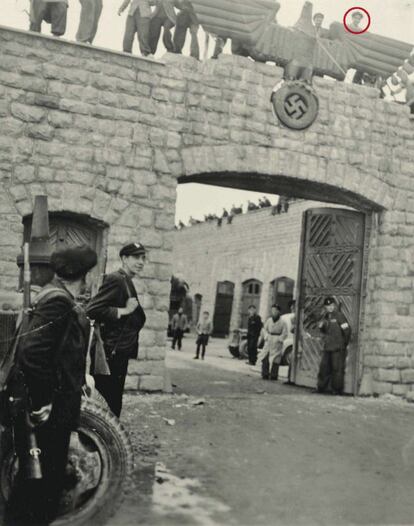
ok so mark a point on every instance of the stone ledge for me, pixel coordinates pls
(79, 45)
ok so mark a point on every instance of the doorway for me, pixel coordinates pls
(251, 292)
(223, 308)
(282, 293)
(331, 263)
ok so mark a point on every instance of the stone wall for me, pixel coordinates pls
(107, 135)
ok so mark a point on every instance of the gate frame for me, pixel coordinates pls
(358, 363)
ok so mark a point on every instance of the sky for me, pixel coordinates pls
(392, 18)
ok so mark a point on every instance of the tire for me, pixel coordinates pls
(101, 457)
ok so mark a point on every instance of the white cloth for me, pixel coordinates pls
(275, 333)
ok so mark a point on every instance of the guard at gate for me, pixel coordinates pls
(116, 307)
(336, 335)
(49, 369)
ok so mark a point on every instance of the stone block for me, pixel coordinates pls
(400, 389)
(381, 387)
(151, 384)
(388, 375)
(407, 376)
(27, 113)
(131, 383)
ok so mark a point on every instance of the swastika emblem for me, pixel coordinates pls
(295, 104)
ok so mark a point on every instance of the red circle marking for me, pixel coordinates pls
(358, 9)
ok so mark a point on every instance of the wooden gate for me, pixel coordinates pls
(223, 308)
(331, 263)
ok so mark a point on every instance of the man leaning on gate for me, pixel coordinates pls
(336, 336)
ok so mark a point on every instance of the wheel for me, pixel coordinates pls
(287, 356)
(99, 467)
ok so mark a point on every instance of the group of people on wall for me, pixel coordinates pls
(145, 20)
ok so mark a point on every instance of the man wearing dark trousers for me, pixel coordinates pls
(336, 335)
(186, 20)
(138, 22)
(116, 307)
(163, 17)
(254, 326)
(50, 363)
(179, 324)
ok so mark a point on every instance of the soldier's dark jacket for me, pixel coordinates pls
(120, 335)
(254, 326)
(49, 381)
(336, 331)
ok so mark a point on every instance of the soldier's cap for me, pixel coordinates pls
(329, 301)
(132, 249)
(74, 262)
(357, 14)
(276, 306)
(318, 15)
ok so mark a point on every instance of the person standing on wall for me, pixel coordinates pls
(187, 20)
(88, 22)
(179, 324)
(117, 308)
(336, 336)
(254, 327)
(53, 12)
(138, 22)
(163, 17)
(204, 329)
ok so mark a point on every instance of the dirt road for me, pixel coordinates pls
(231, 449)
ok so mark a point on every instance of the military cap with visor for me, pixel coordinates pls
(133, 249)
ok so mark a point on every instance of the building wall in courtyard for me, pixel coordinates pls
(107, 135)
(255, 245)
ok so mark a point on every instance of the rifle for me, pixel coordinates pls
(24, 432)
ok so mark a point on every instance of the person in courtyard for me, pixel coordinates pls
(186, 21)
(275, 333)
(89, 19)
(117, 309)
(204, 329)
(336, 336)
(179, 324)
(355, 25)
(290, 318)
(138, 22)
(254, 327)
(50, 365)
(54, 12)
(163, 17)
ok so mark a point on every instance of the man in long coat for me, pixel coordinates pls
(51, 361)
(117, 309)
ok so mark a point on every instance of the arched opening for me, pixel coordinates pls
(251, 293)
(223, 308)
(281, 293)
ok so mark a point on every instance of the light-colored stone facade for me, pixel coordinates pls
(107, 135)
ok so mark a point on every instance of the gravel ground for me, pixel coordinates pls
(231, 449)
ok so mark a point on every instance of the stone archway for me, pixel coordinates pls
(272, 171)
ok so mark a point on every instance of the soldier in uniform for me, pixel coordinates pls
(51, 357)
(163, 17)
(336, 335)
(254, 327)
(186, 20)
(116, 307)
